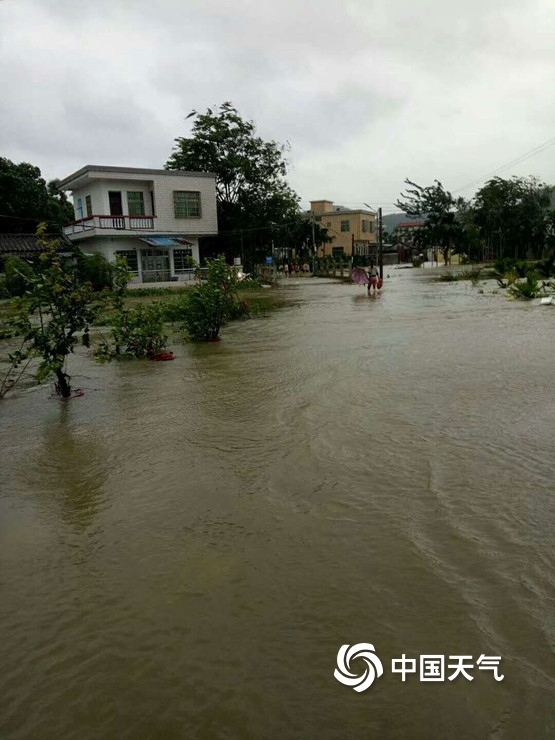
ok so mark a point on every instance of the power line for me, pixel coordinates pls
(512, 163)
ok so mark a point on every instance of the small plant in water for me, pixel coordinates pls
(505, 280)
(448, 277)
(528, 289)
(472, 274)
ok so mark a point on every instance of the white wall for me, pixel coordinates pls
(164, 186)
(109, 245)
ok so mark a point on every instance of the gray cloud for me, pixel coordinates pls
(367, 92)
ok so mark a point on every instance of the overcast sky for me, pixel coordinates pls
(367, 92)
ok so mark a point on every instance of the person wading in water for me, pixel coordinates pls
(373, 277)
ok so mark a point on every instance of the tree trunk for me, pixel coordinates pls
(62, 386)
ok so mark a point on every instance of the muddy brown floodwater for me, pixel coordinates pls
(185, 549)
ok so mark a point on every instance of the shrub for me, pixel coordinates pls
(96, 270)
(19, 274)
(55, 306)
(522, 267)
(210, 305)
(506, 279)
(545, 267)
(472, 274)
(143, 292)
(136, 332)
(529, 289)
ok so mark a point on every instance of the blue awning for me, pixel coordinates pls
(166, 241)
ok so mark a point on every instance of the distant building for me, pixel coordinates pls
(410, 226)
(404, 235)
(352, 231)
(151, 218)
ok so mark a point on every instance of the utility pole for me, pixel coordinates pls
(313, 237)
(380, 243)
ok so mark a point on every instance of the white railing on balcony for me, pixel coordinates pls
(119, 223)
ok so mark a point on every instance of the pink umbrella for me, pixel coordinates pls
(359, 276)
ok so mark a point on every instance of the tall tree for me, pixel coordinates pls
(26, 200)
(252, 192)
(441, 228)
(515, 216)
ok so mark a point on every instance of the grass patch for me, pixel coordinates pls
(449, 278)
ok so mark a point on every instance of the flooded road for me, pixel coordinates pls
(185, 549)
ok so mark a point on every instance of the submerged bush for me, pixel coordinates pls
(449, 278)
(528, 289)
(136, 332)
(208, 306)
(505, 280)
(472, 274)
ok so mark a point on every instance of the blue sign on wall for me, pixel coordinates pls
(269, 260)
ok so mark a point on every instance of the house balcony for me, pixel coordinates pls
(114, 223)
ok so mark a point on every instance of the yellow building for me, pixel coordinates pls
(352, 231)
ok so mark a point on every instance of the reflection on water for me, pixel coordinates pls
(69, 472)
(185, 548)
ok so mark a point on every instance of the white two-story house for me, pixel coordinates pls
(152, 218)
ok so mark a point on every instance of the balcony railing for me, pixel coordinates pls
(119, 223)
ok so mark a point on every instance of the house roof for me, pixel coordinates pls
(341, 211)
(23, 245)
(410, 224)
(65, 184)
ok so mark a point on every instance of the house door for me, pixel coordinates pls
(115, 204)
(116, 210)
(155, 266)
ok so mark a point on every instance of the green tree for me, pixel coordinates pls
(441, 228)
(251, 189)
(26, 200)
(471, 243)
(515, 217)
(56, 306)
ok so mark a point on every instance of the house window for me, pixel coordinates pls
(186, 204)
(337, 251)
(345, 226)
(371, 224)
(365, 225)
(79, 208)
(328, 224)
(317, 218)
(130, 256)
(136, 204)
(182, 260)
(88, 205)
(152, 202)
